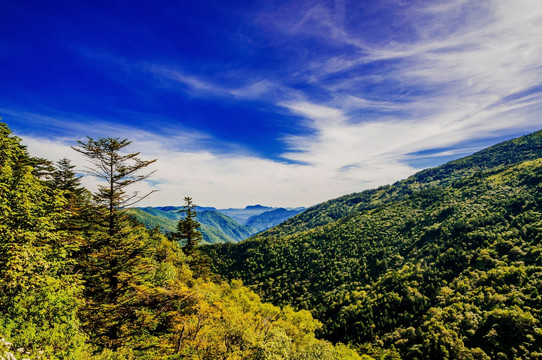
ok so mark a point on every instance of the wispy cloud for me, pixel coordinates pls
(368, 104)
(170, 76)
(456, 79)
(229, 180)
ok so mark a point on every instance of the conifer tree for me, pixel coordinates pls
(187, 229)
(117, 170)
(115, 246)
(64, 177)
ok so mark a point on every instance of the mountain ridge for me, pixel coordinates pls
(217, 225)
(524, 148)
(402, 266)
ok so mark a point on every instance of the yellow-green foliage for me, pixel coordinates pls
(163, 312)
(70, 288)
(449, 271)
(39, 297)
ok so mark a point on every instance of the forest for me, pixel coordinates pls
(446, 264)
(79, 279)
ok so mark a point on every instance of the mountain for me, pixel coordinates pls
(225, 226)
(528, 147)
(271, 218)
(242, 215)
(217, 226)
(443, 265)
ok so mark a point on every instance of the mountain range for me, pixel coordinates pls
(217, 225)
(443, 265)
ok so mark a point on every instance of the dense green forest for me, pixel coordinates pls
(79, 279)
(446, 264)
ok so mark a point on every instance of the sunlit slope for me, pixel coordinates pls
(451, 268)
(215, 227)
(511, 152)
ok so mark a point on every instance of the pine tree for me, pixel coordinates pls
(118, 171)
(187, 233)
(64, 177)
(118, 249)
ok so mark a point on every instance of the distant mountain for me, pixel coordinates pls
(217, 226)
(242, 215)
(271, 218)
(225, 226)
(443, 265)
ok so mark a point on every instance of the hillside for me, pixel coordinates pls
(217, 225)
(511, 152)
(225, 226)
(271, 218)
(443, 265)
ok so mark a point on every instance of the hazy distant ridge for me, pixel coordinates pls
(217, 225)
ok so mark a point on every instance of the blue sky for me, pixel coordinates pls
(280, 103)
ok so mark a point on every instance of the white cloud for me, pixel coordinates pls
(233, 179)
(457, 79)
(468, 74)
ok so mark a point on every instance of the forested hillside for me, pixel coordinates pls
(217, 225)
(507, 153)
(80, 280)
(271, 218)
(444, 265)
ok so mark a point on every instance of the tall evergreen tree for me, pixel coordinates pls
(117, 170)
(64, 177)
(187, 229)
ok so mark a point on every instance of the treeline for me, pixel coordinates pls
(80, 280)
(511, 152)
(444, 265)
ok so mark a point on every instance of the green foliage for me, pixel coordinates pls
(443, 265)
(39, 298)
(82, 292)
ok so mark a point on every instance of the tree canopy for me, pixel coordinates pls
(81, 292)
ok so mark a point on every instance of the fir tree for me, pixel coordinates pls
(187, 229)
(64, 177)
(118, 171)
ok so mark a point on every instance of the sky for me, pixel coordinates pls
(280, 103)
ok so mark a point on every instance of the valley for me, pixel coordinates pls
(217, 225)
(441, 265)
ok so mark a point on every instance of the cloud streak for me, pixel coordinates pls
(455, 72)
(225, 181)
(456, 82)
